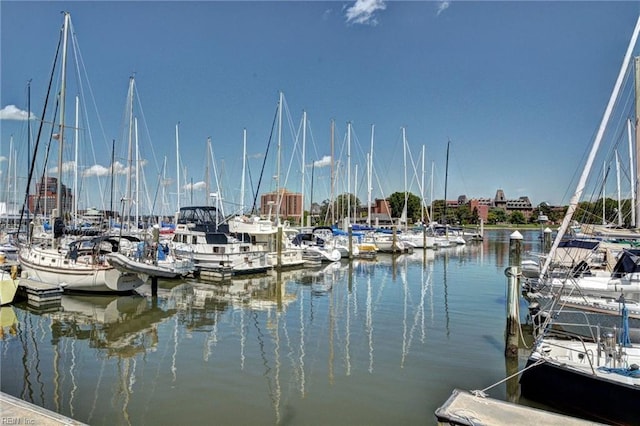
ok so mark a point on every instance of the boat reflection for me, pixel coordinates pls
(122, 326)
(286, 329)
(8, 322)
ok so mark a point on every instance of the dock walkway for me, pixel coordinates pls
(463, 408)
(14, 411)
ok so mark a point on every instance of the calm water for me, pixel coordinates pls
(377, 343)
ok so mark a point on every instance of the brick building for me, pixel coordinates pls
(290, 204)
(44, 201)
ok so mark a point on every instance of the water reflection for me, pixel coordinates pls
(288, 339)
(8, 322)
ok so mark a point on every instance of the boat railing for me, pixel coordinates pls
(582, 353)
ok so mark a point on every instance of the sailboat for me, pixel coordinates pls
(593, 373)
(8, 286)
(78, 263)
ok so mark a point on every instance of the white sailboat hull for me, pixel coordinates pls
(50, 266)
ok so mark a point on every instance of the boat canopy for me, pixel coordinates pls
(628, 262)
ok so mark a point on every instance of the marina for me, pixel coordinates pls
(380, 342)
(400, 310)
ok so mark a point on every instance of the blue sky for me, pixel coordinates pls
(519, 89)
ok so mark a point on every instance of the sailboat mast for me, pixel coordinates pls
(594, 150)
(355, 193)
(207, 184)
(28, 149)
(313, 166)
(137, 200)
(127, 209)
(404, 153)
(178, 166)
(634, 178)
(75, 164)
(218, 194)
(278, 197)
(637, 122)
(369, 176)
(431, 192)
(333, 178)
(304, 142)
(113, 148)
(604, 186)
(348, 172)
(244, 165)
(446, 178)
(422, 203)
(10, 166)
(63, 89)
(618, 184)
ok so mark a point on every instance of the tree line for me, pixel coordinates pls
(587, 212)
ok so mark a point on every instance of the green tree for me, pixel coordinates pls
(517, 218)
(463, 214)
(396, 203)
(343, 202)
(475, 217)
(496, 216)
(438, 211)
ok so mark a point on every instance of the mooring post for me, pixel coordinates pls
(513, 295)
(154, 286)
(394, 240)
(279, 247)
(547, 240)
(350, 241)
(424, 238)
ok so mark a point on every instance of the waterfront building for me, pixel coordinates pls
(500, 201)
(45, 198)
(285, 204)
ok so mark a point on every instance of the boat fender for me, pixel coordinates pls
(14, 272)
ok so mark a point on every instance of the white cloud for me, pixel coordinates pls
(443, 6)
(324, 162)
(12, 112)
(196, 186)
(98, 170)
(69, 166)
(362, 12)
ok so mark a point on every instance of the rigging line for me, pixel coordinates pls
(292, 158)
(44, 112)
(42, 192)
(273, 125)
(81, 69)
(482, 393)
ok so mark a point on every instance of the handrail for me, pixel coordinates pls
(573, 337)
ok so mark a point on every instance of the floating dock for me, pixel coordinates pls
(14, 411)
(38, 293)
(465, 409)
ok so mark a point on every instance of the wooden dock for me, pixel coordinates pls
(14, 411)
(464, 408)
(38, 293)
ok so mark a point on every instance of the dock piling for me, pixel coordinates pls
(513, 286)
(154, 286)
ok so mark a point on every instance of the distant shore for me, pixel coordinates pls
(513, 226)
